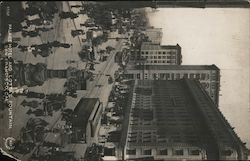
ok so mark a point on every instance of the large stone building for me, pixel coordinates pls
(156, 54)
(176, 120)
(208, 75)
(154, 35)
(86, 120)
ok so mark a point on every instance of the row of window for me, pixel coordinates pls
(199, 76)
(158, 57)
(176, 152)
(172, 76)
(161, 61)
(159, 52)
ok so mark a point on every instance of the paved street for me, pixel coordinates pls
(57, 60)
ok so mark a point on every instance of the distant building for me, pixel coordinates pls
(208, 75)
(176, 120)
(154, 35)
(156, 54)
(86, 120)
(179, 3)
(201, 3)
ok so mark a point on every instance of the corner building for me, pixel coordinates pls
(176, 120)
(156, 54)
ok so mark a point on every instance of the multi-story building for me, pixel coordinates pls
(156, 54)
(154, 35)
(176, 120)
(208, 75)
(86, 120)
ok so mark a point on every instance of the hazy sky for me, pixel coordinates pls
(220, 37)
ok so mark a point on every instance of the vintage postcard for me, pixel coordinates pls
(163, 80)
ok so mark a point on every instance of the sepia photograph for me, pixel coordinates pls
(156, 80)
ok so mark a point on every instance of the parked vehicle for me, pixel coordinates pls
(110, 80)
(75, 33)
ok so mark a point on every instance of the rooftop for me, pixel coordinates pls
(154, 30)
(176, 113)
(152, 46)
(173, 67)
(83, 111)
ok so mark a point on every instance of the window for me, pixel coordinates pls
(185, 75)
(159, 61)
(173, 52)
(163, 61)
(163, 52)
(146, 52)
(208, 77)
(129, 76)
(159, 57)
(213, 85)
(168, 57)
(203, 76)
(131, 152)
(162, 152)
(138, 76)
(227, 152)
(155, 57)
(194, 152)
(154, 76)
(162, 75)
(151, 57)
(178, 76)
(172, 76)
(155, 61)
(147, 152)
(191, 76)
(178, 152)
(197, 76)
(142, 52)
(163, 57)
(159, 52)
(167, 76)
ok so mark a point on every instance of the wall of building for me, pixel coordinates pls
(154, 35)
(160, 56)
(167, 153)
(208, 78)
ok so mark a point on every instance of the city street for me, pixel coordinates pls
(57, 60)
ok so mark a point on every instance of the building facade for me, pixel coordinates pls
(176, 120)
(154, 35)
(156, 54)
(208, 75)
(86, 120)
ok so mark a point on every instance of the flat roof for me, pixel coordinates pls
(83, 111)
(152, 29)
(152, 46)
(173, 67)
